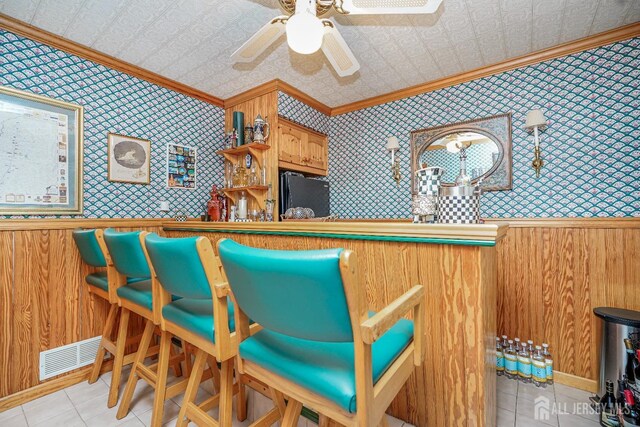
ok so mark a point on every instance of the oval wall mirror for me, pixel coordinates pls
(487, 144)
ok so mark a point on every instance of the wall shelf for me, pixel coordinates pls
(254, 148)
(255, 191)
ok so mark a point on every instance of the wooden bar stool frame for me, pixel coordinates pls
(372, 401)
(107, 345)
(157, 379)
(224, 350)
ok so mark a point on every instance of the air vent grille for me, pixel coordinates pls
(68, 357)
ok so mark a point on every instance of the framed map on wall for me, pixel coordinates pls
(181, 166)
(40, 155)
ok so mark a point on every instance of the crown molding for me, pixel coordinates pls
(591, 42)
(22, 28)
(37, 34)
(277, 85)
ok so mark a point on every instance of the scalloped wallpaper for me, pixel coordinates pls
(117, 102)
(591, 148)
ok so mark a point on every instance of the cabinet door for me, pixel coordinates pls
(314, 153)
(289, 144)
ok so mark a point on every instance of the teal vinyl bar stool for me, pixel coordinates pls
(103, 283)
(319, 345)
(128, 257)
(204, 316)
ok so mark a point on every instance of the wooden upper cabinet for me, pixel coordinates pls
(301, 149)
(289, 142)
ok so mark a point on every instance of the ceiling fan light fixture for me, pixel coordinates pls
(304, 33)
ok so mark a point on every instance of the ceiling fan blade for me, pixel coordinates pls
(377, 7)
(261, 40)
(337, 51)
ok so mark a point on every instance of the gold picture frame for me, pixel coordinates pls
(49, 180)
(128, 159)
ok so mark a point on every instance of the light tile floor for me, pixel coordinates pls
(85, 405)
(558, 405)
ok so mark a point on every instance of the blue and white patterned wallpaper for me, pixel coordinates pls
(591, 148)
(297, 111)
(116, 102)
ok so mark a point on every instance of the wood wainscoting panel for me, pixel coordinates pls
(551, 278)
(460, 335)
(6, 310)
(44, 300)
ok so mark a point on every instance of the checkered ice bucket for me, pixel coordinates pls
(459, 205)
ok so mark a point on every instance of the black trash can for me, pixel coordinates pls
(617, 324)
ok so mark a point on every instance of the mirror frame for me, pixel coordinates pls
(497, 128)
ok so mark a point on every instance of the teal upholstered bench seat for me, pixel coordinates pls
(99, 280)
(326, 368)
(195, 315)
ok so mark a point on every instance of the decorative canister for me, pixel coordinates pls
(425, 202)
(459, 205)
(428, 180)
(180, 216)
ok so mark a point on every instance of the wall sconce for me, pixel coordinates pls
(536, 121)
(393, 145)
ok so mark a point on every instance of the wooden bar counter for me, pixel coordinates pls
(457, 264)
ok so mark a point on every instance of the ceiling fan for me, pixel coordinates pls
(307, 33)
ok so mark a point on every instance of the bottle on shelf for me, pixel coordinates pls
(524, 364)
(499, 357)
(505, 342)
(531, 349)
(548, 361)
(253, 175)
(637, 371)
(538, 368)
(242, 206)
(609, 408)
(630, 412)
(511, 361)
(629, 368)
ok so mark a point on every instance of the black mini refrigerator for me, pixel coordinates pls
(298, 191)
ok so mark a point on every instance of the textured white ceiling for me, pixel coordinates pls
(191, 40)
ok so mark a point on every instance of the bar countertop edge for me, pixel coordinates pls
(460, 234)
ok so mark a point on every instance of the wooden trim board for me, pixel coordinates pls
(51, 386)
(65, 224)
(68, 223)
(576, 382)
(22, 28)
(276, 85)
(18, 27)
(596, 40)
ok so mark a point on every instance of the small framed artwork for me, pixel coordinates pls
(129, 159)
(40, 155)
(181, 166)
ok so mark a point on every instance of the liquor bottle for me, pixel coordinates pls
(511, 361)
(531, 349)
(524, 364)
(505, 342)
(499, 358)
(608, 408)
(548, 361)
(630, 413)
(538, 368)
(637, 371)
(629, 370)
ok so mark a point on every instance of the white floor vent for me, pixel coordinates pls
(68, 357)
